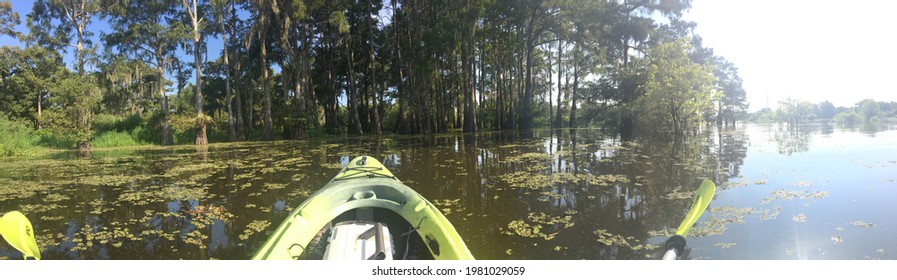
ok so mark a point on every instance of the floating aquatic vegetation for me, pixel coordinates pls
(299, 193)
(196, 237)
(800, 218)
(760, 182)
(862, 224)
(786, 195)
(446, 202)
(333, 166)
(782, 194)
(448, 205)
(16, 190)
(664, 232)
(837, 240)
(274, 186)
(881, 252)
(724, 245)
(139, 197)
(254, 227)
(677, 193)
(528, 158)
(56, 197)
(769, 215)
(732, 185)
(182, 193)
(509, 252)
(720, 217)
(206, 215)
(528, 180)
(38, 208)
(170, 236)
(540, 223)
(52, 218)
(521, 228)
(189, 168)
(610, 239)
(297, 177)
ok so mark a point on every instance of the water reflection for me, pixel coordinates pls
(543, 194)
(793, 139)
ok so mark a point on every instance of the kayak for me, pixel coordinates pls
(365, 212)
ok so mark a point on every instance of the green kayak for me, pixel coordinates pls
(365, 212)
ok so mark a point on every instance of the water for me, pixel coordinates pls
(813, 192)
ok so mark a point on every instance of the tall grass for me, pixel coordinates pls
(111, 139)
(17, 139)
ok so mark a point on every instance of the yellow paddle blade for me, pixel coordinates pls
(702, 199)
(17, 231)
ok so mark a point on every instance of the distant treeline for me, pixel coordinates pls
(797, 111)
(300, 68)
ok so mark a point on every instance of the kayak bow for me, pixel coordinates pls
(366, 202)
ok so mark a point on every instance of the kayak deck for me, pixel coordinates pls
(366, 191)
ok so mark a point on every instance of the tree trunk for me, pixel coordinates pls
(166, 125)
(197, 59)
(572, 121)
(470, 118)
(228, 99)
(558, 113)
(550, 105)
(352, 94)
(269, 130)
(370, 21)
(39, 111)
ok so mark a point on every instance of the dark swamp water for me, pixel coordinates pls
(817, 192)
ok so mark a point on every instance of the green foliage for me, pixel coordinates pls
(795, 112)
(16, 139)
(848, 118)
(826, 110)
(115, 139)
(869, 109)
(53, 139)
(765, 115)
(74, 97)
(677, 91)
(8, 19)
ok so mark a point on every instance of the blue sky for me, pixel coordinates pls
(841, 51)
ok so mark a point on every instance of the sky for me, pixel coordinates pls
(840, 51)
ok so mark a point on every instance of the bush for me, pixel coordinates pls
(16, 139)
(59, 140)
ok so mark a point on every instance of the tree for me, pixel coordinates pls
(677, 90)
(733, 99)
(53, 21)
(147, 31)
(224, 16)
(72, 98)
(25, 78)
(196, 22)
(8, 20)
(261, 11)
(869, 109)
(826, 110)
(795, 112)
